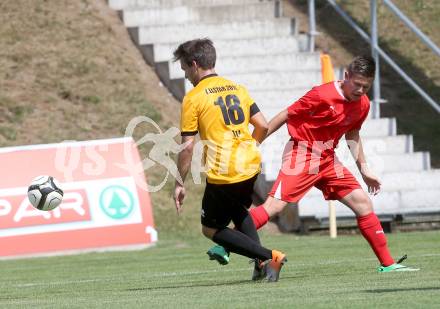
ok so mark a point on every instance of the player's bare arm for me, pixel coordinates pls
(354, 142)
(183, 165)
(276, 122)
(260, 127)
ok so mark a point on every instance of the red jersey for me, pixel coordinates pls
(323, 114)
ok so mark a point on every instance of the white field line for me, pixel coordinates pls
(189, 273)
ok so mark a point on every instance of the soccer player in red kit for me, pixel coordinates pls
(316, 122)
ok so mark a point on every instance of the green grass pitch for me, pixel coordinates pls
(320, 273)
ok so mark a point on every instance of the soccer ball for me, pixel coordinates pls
(45, 193)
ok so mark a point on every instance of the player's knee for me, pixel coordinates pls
(208, 231)
(365, 206)
(274, 206)
(367, 201)
(278, 206)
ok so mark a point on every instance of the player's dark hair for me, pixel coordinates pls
(362, 65)
(202, 51)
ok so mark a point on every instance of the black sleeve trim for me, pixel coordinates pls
(189, 133)
(254, 109)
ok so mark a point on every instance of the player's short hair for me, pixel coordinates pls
(202, 51)
(362, 65)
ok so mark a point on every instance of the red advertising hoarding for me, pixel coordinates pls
(106, 203)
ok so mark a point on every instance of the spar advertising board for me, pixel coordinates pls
(106, 203)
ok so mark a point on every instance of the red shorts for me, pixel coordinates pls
(298, 176)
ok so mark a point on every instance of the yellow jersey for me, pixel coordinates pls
(220, 110)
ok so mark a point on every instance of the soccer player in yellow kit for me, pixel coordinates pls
(220, 110)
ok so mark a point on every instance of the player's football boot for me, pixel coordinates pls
(396, 267)
(273, 267)
(219, 254)
(258, 272)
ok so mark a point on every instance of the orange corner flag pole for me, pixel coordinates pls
(328, 75)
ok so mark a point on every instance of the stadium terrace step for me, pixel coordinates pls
(278, 99)
(226, 48)
(391, 203)
(371, 128)
(373, 145)
(429, 179)
(403, 192)
(128, 4)
(379, 127)
(398, 144)
(385, 203)
(198, 14)
(274, 80)
(216, 31)
(233, 65)
(294, 80)
(379, 163)
(388, 163)
(420, 201)
(408, 181)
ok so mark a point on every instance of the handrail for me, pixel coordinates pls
(312, 25)
(374, 45)
(349, 20)
(395, 66)
(413, 27)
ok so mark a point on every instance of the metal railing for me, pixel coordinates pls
(413, 27)
(312, 25)
(376, 51)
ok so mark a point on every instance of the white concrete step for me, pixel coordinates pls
(388, 203)
(278, 99)
(389, 163)
(368, 133)
(217, 31)
(403, 181)
(272, 80)
(255, 82)
(402, 202)
(127, 4)
(379, 163)
(197, 14)
(420, 201)
(373, 145)
(371, 127)
(383, 145)
(234, 65)
(379, 127)
(226, 48)
(402, 193)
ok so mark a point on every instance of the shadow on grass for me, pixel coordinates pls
(431, 288)
(209, 284)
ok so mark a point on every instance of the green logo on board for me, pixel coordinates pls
(117, 202)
